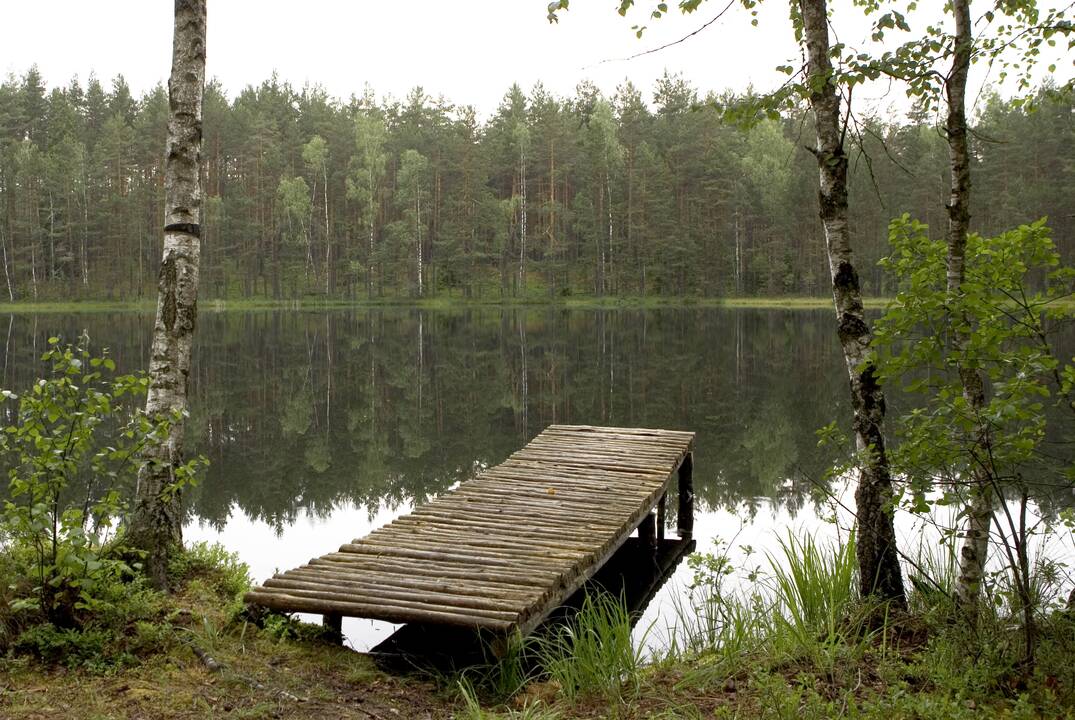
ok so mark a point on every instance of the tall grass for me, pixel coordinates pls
(505, 670)
(593, 654)
(803, 604)
(814, 586)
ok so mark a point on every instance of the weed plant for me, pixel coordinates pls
(593, 654)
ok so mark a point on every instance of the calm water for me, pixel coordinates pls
(323, 425)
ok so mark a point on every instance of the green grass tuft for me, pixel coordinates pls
(594, 653)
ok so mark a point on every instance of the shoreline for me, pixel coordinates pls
(445, 303)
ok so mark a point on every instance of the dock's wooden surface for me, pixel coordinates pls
(504, 549)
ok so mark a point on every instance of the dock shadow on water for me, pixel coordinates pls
(634, 574)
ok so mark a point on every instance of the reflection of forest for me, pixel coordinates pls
(310, 409)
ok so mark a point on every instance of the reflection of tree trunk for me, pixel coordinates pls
(156, 522)
(525, 381)
(328, 373)
(373, 373)
(421, 361)
(7, 348)
(611, 368)
(879, 568)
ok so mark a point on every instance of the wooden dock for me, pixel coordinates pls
(503, 550)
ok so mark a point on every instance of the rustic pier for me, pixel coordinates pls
(503, 550)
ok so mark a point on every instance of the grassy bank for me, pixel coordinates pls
(441, 303)
(804, 647)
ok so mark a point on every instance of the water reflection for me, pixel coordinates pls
(312, 411)
(322, 426)
(635, 574)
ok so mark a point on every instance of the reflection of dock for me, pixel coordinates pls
(634, 573)
(504, 550)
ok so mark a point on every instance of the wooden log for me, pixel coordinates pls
(486, 526)
(332, 589)
(553, 523)
(430, 569)
(295, 603)
(507, 561)
(466, 586)
(466, 536)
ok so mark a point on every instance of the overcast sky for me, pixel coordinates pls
(470, 52)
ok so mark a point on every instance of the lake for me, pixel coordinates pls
(321, 425)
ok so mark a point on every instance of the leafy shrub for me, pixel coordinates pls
(228, 576)
(68, 591)
(71, 452)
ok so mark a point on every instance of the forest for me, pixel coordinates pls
(637, 194)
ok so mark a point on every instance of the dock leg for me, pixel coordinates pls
(686, 498)
(335, 623)
(647, 529)
(660, 516)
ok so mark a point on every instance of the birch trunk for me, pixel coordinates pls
(975, 547)
(879, 568)
(328, 234)
(369, 269)
(85, 232)
(156, 523)
(522, 218)
(611, 257)
(418, 230)
(7, 274)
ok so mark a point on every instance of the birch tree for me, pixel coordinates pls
(368, 169)
(156, 522)
(413, 182)
(1020, 30)
(975, 547)
(315, 155)
(879, 567)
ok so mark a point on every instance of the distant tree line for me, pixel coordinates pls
(309, 195)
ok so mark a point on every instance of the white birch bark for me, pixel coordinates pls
(156, 523)
(7, 274)
(418, 229)
(879, 568)
(328, 235)
(975, 547)
(522, 217)
(369, 269)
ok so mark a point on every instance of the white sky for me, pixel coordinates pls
(470, 52)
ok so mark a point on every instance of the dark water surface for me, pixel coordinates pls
(321, 425)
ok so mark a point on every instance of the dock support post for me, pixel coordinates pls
(686, 497)
(660, 516)
(333, 622)
(647, 529)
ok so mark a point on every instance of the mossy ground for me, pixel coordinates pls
(286, 670)
(280, 669)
